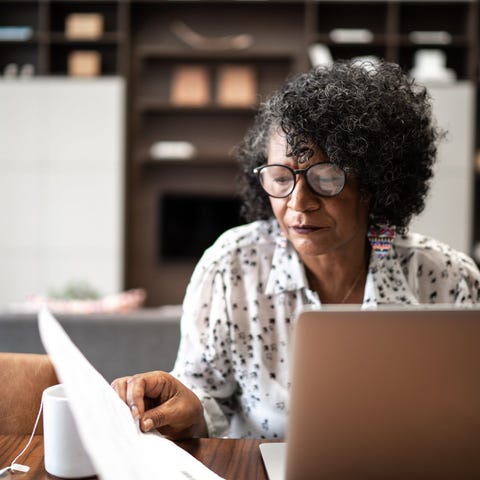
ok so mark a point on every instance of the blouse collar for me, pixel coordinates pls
(386, 280)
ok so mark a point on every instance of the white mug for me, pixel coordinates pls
(65, 455)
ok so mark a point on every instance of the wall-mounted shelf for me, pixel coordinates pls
(106, 39)
(48, 48)
(161, 106)
(275, 34)
(206, 159)
(158, 52)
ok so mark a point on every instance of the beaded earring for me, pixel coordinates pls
(381, 238)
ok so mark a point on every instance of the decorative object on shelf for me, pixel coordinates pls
(84, 26)
(27, 71)
(75, 290)
(236, 86)
(432, 37)
(202, 42)
(368, 62)
(190, 86)
(122, 302)
(430, 65)
(351, 35)
(10, 70)
(179, 150)
(84, 63)
(20, 33)
(319, 54)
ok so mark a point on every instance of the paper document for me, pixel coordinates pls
(111, 437)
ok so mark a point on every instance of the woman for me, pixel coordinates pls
(335, 166)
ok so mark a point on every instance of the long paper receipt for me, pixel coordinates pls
(111, 437)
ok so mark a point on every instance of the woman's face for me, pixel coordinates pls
(318, 225)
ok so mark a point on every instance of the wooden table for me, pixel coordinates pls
(230, 458)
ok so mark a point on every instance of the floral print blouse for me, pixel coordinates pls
(242, 302)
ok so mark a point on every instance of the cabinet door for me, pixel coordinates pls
(62, 170)
(449, 209)
(22, 156)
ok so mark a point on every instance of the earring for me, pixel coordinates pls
(381, 238)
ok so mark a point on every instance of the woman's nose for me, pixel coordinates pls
(302, 199)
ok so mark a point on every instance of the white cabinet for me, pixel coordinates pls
(448, 215)
(61, 185)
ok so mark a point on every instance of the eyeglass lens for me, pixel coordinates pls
(325, 179)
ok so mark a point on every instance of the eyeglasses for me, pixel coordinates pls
(325, 179)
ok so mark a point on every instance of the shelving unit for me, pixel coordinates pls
(273, 35)
(48, 47)
(145, 41)
(25, 51)
(396, 29)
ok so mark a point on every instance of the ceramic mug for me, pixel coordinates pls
(65, 455)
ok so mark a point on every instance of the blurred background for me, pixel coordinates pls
(119, 118)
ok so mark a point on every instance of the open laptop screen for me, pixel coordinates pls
(388, 393)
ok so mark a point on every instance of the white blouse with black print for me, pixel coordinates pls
(241, 304)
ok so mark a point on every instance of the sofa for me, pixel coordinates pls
(115, 344)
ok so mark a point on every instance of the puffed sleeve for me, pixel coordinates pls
(468, 287)
(441, 274)
(204, 358)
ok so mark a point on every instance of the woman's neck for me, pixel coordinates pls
(338, 278)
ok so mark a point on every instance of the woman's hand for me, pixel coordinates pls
(158, 400)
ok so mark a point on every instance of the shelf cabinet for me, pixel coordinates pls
(396, 30)
(149, 41)
(61, 185)
(20, 46)
(39, 35)
(264, 40)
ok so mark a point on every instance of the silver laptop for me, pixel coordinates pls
(382, 394)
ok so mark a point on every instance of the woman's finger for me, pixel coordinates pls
(141, 388)
(120, 386)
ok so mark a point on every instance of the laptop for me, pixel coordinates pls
(392, 393)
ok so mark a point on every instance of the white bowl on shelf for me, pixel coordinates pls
(177, 150)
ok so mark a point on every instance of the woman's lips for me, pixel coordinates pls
(305, 229)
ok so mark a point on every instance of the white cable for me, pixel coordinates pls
(18, 467)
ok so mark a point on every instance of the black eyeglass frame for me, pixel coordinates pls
(297, 171)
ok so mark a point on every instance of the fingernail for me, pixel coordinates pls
(147, 425)
(134, 410)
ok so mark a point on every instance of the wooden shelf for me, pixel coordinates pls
(456, 41)
(398, 40)
(325, 38)
(144, 52)
(106, 39)
(214, 159)
(160, 106)
(213, 128)
(14, 43)
(50, 47)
